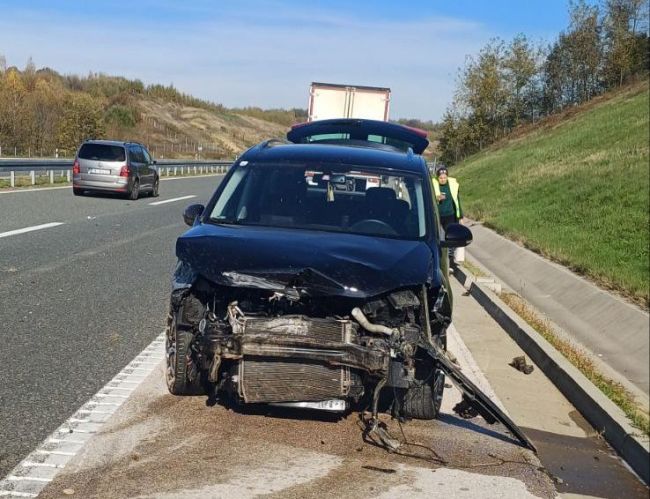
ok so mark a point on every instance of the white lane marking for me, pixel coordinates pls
(13, 493)
(29, 478)
(193, 176)
(171, 200)
(57, 452)
(62, 441)
(43, 465)
(30, 229)
(75, 430)
(59, 445)
(32, 189)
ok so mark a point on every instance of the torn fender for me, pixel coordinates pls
(476, 398)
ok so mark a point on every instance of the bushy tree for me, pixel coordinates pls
(81, 120)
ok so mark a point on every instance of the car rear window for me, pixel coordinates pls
(102, 152)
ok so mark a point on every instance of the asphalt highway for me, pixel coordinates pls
(84, 284)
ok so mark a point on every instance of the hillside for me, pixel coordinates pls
(43, 112)
(575, 189)
(175, 130)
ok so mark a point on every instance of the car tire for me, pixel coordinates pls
(77, 192)
(424, 401)
(154, 190)
(178, 342)
(134, 193)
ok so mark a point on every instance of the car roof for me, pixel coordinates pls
(276, 151)
(111, 142)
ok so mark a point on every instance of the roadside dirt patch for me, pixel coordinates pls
(180, 447)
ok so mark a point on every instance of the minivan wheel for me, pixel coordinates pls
(154, 190)
(77, 192)
(179, 361)
(135, 190)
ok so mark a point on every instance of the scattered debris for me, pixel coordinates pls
(68, 492)
(519, 363)
(465, 410)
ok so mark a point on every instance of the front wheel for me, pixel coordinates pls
(424, 401)
(179, 361)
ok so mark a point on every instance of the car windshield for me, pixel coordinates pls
(102, 152)
(337, 198)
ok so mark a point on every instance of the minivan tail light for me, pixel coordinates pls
(124, 171)
(75, 167)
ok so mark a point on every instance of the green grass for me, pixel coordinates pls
(574, 190)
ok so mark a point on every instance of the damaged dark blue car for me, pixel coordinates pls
(314, 278)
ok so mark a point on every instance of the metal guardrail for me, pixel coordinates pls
(19, 164)
(59, 168)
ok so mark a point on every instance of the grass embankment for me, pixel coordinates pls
(574, 190)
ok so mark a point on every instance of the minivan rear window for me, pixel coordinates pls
(102, 152)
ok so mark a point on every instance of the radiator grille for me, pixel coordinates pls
(275, 380)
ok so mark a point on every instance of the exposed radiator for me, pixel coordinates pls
(266, 379)
(275, 380)
(317, 329)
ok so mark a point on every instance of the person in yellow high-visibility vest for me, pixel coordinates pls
(446, 190)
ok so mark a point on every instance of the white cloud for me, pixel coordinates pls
(265, 56)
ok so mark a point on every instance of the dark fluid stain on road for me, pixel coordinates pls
(585, 465)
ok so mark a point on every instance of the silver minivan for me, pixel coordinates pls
(112, 166)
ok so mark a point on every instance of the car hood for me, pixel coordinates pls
(313, 262)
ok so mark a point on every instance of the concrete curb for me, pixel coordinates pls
(602, 413)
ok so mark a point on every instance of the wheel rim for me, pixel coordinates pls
(155, 187)
(136, 190)
(170, 353)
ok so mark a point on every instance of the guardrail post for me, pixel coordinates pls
(12, 178)
(31, 174)
(194, 169)
(51, 176)
(174, 171)
(67, 175)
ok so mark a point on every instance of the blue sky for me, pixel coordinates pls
(266, 52)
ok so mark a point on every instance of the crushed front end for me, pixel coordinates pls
(275, 343)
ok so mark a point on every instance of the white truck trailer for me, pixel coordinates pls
(327, 101)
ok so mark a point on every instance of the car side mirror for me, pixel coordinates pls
(192, 212)
(456, 236)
